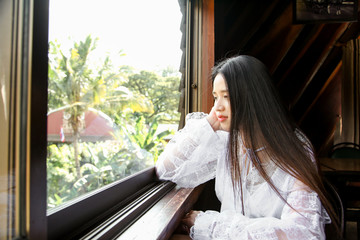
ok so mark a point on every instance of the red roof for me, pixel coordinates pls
(95, 126)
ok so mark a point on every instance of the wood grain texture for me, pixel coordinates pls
(163, 218)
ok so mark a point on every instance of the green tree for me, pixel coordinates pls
(77, 85)
(162, 91)
(137, 103)
(102, 163)
(145, 136)
(72, 80)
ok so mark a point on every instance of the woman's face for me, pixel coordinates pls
(222, 102)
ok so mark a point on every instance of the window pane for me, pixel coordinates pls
(113, 91)
(7, 181)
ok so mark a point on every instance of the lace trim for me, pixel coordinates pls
(195, 115)
(254, 179)
(190, 158)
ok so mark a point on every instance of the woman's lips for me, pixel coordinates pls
(221, 118)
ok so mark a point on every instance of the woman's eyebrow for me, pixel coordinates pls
(222, 91)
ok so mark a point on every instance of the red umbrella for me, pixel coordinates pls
(94, 126)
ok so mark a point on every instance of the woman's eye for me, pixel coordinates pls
(225, 96)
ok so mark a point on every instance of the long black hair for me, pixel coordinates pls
(260, 120)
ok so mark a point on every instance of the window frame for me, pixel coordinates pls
(35, 220)
(76, 218)
(85, 211)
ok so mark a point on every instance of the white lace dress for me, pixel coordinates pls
(197, 154)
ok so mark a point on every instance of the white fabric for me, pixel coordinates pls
(197, 154)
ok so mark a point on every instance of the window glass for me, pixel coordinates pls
(7, 183)
(9, 164)
(113, 91)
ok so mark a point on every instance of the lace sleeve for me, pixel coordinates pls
(307, 222)
(190, 158)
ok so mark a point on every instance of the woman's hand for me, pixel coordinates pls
(188, 221)
(213, 120)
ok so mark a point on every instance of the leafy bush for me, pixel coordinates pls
(101, 163)
(136, 102)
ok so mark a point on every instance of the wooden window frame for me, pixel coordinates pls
(76, 218)
(201, 55)
(86, 215)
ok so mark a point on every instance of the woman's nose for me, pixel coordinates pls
(219, 106)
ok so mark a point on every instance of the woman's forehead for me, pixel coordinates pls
(220, 84)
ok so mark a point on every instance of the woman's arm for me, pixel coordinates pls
(190, 158)
(305, 220)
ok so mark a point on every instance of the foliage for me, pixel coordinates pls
(101, 163)
(162, 91)
(136, 102)
(72, 83)
(146, 138)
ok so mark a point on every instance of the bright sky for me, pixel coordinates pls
(147, 31)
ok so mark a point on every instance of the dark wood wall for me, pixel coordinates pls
(305, 59)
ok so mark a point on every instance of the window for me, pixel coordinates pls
(113, 92)
(7, 169)
(113, 98)
(23, 58)
(24, 208)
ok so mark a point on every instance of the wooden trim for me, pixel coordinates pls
(202, 55)
(277, 41)
(163, 218)
(188, 59)
(305, 45)
(79, 216)
(36, 142)
(207, 54)
(324, 54)
(195, 55)
(121, 220)
(332, 76)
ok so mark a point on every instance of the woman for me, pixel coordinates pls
(266, 175)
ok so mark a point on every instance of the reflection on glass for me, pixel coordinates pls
(8, 187)
(113, 90)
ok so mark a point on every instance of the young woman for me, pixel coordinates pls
(266, 174)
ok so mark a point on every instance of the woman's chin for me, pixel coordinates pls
(225, 127)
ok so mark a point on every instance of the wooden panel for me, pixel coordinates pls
(207, 57)
(301, 75)
(301, 57)
(320, 121)
(299, 48)
(317, 84)
(334, 76)
(163, 218)
(257, 14)
(276, 43)
(240, 26)
(327, 43)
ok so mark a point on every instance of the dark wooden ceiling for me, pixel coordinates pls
(305, 59)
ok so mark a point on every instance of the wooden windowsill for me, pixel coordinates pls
(161, 220)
